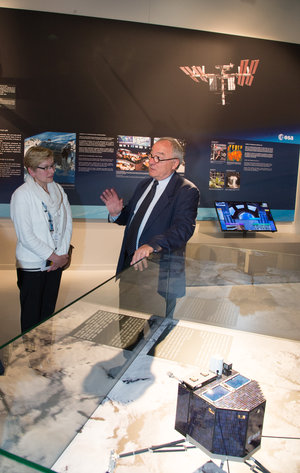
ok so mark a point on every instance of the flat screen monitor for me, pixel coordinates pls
(245, 216)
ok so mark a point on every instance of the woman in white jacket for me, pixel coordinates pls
(42, 219)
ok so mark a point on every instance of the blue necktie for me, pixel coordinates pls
(136, 221)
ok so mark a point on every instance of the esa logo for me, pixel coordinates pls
(283, 137)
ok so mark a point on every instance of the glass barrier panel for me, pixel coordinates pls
(255, 291)
(218, 265)
(57, 374)
(60, 371)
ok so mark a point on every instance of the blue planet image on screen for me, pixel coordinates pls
(246, 216)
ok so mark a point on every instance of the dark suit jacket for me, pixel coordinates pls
(172, 220)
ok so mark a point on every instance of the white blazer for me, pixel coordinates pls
(34, 239)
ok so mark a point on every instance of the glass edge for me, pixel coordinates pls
(25, 462)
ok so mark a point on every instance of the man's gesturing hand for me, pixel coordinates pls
(112, 201)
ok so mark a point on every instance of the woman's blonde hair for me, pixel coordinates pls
(36, 155)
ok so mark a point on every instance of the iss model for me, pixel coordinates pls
(221, 414)
(225, 79)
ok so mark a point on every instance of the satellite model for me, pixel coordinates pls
(220, 412)
(225, 79)
(223, 414)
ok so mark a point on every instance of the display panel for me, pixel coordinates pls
(237, 381)
(216, 393)
(245, 216)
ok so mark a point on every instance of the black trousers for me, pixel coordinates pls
(38, 295)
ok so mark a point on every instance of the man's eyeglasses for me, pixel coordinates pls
(47, 168)
(157, 159)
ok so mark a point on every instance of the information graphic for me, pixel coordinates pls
(229, 160)
(245, 170)
(11, 162)
(191, 346)
(96, 153)
(116, 330)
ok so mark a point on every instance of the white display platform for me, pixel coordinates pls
(139, 411)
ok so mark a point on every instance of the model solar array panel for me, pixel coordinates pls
(224, 416)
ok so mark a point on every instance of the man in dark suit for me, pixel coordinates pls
(169, 221)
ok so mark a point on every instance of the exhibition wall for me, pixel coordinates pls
(116, 94)
(99, 92)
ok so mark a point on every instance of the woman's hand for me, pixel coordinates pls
(58, 261)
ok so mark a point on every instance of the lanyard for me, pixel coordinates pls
(50, 220)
